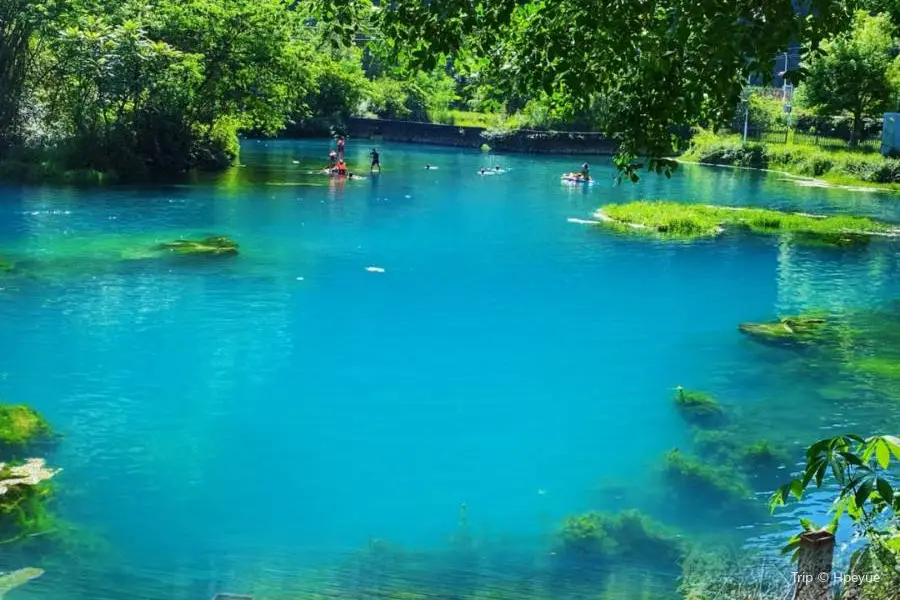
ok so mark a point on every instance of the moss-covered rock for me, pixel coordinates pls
(628, 537)
(762, 454)
(218, 245)
(798, 330)
(717, 486)
(699, 408)
(21, 425)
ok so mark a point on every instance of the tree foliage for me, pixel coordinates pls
(867, 487)
(657, 64)
(137, 88)
(857, 72)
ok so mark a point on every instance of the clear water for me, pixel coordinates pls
(242, 424)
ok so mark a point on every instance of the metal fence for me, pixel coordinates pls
(833, 133)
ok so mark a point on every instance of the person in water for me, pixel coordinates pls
(428, 167)
(340, 147)
(332, 159)
(341, 168)
(376, 160)
(585, 172)
(482, 171)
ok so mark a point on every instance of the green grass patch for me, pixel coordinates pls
(841, 167)
(674, 219)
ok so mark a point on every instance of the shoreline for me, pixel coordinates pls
(860, 186)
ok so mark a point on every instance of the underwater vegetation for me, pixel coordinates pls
(699, 408)
(626, 537)
(799, 330)
(11, 581)
(691, 221)
(6, 266)
(724, 446)
(24, 485)
(21, 425)
(719, 487)
(217, 245)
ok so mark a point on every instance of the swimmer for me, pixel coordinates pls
(428, 167)
(482, 172)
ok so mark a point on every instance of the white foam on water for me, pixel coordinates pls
(374, 269)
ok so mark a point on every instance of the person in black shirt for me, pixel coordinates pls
(375, 160)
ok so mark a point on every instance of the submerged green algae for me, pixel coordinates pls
(677, 220)
(217, 245)
(628, 536)
(699, 408)
(21, 425)
(719, 486)
(787, 330)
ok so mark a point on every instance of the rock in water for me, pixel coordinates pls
(10, 581)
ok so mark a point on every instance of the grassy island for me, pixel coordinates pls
(689, 221)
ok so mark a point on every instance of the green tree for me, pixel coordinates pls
(856, 73)
(665, 63)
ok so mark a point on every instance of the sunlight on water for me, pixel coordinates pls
(407, 382)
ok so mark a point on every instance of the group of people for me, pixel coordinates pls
(337, 166)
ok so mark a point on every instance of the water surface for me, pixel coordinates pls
(242, 424)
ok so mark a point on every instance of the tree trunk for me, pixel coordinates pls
(812, 581)
(856, 134)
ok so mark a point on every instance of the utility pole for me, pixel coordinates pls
(747, 110)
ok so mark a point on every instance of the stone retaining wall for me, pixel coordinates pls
(539, 142)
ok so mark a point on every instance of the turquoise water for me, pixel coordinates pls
(244, 424)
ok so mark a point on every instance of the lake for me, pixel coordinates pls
(413, 357)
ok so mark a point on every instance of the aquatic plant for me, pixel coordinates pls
(762, 454)
(718, 486)
(14, 579)
(210, 246)
(23, 489)
(21, 425)
(799, 330)
(883, 366)
(6, 266)
(677, 220)
(725, 447)
(698, 408)
(626, 537)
